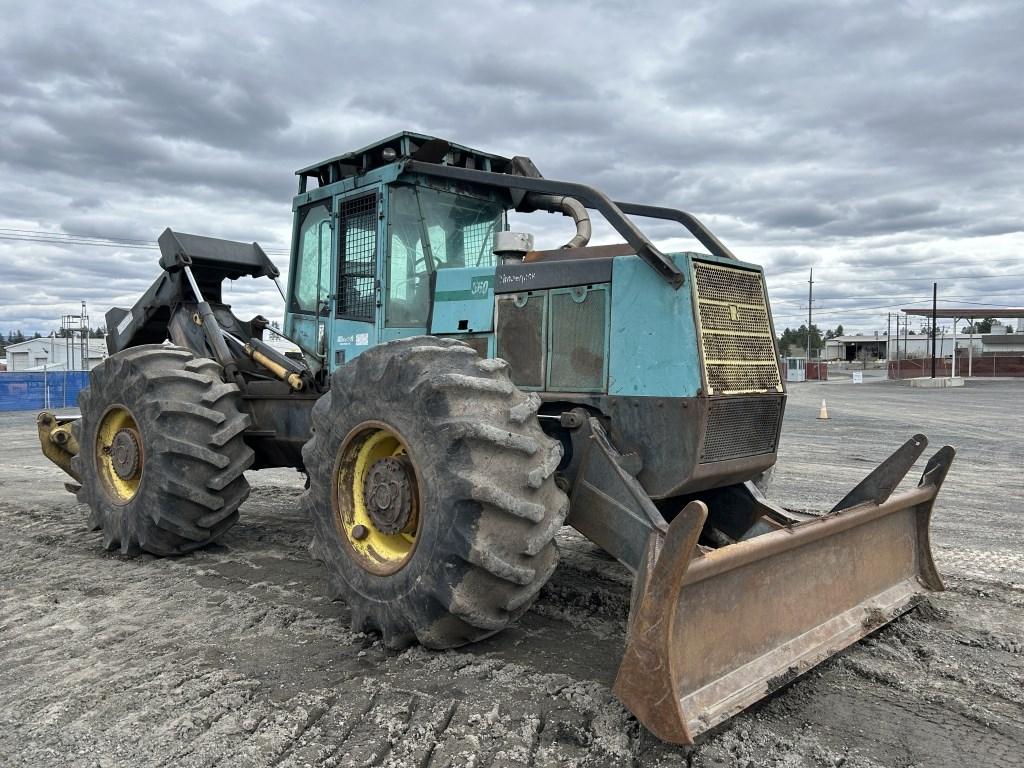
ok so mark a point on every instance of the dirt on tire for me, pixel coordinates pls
(191, 454)
(489, 508)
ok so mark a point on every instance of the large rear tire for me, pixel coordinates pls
(432, 493)
(161, 454)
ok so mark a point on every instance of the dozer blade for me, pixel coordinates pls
(716, 630)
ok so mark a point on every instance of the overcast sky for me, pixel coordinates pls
(878, 142)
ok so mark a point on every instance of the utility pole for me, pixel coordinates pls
(84, 340)
(888, 340)
(906, 334)
(935, 299)
(970, 349)
(810, 299)
(953, 372)
(898, 356)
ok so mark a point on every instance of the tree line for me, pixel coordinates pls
(795, 339)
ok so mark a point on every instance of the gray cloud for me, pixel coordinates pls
(878, 143)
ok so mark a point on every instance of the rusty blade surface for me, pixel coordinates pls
(716, 632)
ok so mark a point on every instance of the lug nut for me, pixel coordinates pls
(360, 532)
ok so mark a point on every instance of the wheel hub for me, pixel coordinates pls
(376, 498)
(119, 458)
(388, 495)
(124, 453)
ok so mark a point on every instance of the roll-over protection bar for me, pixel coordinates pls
(613, 212)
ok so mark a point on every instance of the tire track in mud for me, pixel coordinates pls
(193, 713)
(175, 686)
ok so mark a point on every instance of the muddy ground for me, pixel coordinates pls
(233, 657)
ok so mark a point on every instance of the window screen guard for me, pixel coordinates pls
(357, 258)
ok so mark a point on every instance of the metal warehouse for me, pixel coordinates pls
(51, 353)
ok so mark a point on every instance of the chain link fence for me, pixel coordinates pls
(38, 390)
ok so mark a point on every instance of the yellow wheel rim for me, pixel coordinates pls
(119, 454)
(361, 452)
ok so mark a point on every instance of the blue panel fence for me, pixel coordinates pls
(36, 391)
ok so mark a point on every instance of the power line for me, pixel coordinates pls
(34, 235)
(856, 298)
(66, 239)
(902, 296)
(836, 310)
(967, 276)
(74, 234)
(984, 304)
(853, 309)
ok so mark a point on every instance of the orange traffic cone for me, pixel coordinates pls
(823, 413)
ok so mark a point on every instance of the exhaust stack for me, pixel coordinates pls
(567, 206)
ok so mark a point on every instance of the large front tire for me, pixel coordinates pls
(449, 435)
(161, 454)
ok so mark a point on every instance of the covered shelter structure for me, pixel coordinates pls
(850, 348)
(970, 314)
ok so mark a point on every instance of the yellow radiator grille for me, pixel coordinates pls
(735, 333)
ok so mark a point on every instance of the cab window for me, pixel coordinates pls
(313, 268)
(431, 230)
(357, 258)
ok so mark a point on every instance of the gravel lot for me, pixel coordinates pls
(233, 657)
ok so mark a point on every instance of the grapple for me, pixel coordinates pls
(714, 630)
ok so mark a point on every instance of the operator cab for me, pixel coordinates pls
(369, 241)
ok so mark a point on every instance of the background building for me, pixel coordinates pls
(1002, 341)
(55, 354)
(852, 348)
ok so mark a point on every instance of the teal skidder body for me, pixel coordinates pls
(625, 354)
(389, 250)
(461, 394)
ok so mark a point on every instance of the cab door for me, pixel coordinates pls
(310, 278)
(355, 316)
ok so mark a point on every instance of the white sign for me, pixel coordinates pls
(125, 322)
(858, 377)
(357, 339)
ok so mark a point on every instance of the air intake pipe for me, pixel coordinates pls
(567, 206)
